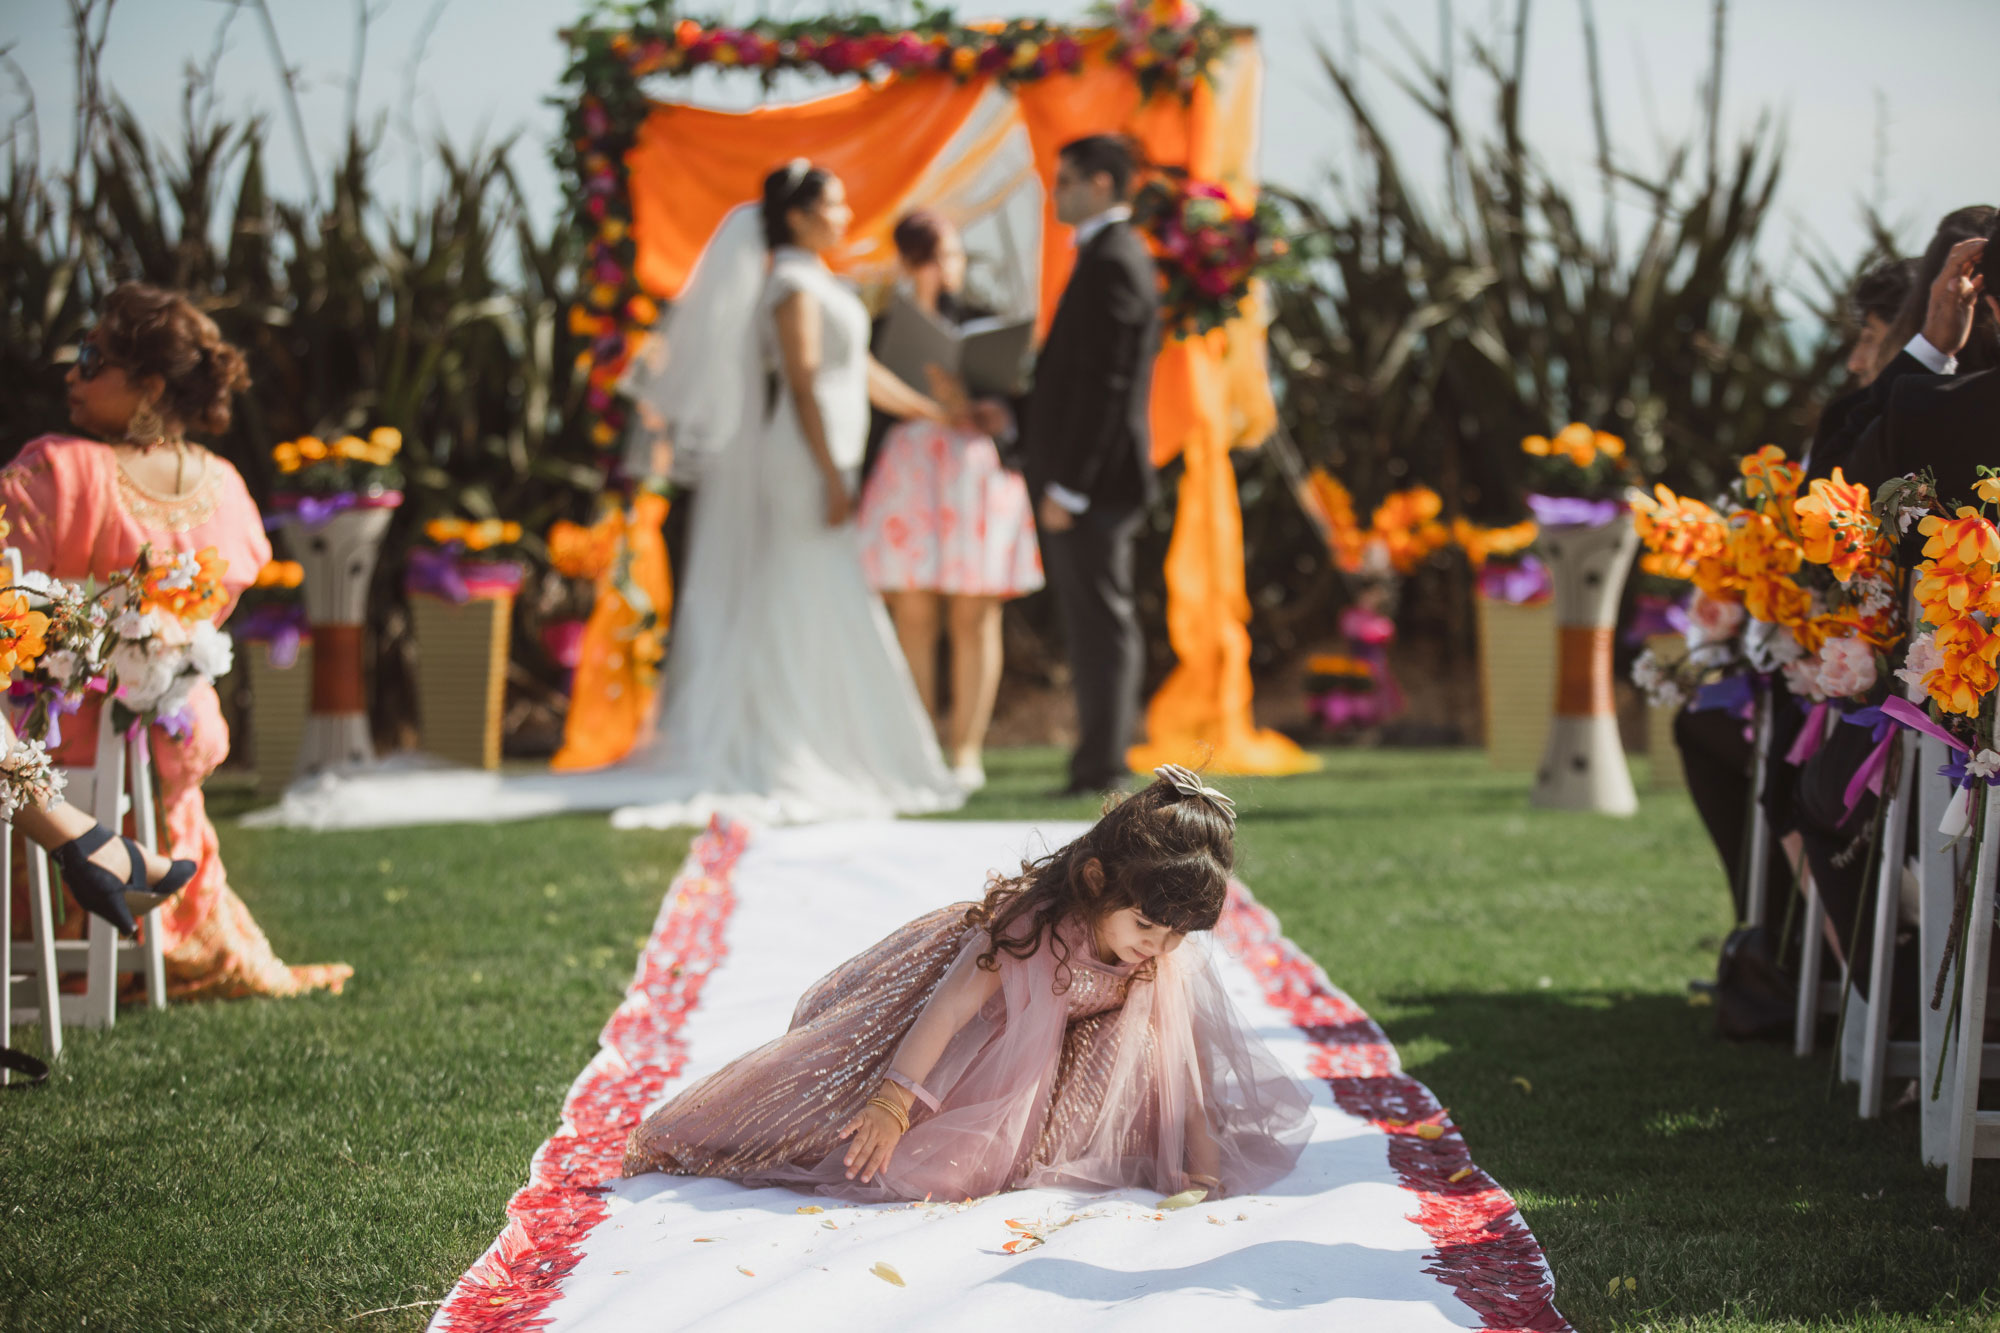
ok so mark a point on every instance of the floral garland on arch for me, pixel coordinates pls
(1209, 250)
(1169, 45)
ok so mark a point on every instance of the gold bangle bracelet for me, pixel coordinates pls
(902, 1119)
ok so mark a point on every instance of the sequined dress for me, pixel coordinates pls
(1072, 1073)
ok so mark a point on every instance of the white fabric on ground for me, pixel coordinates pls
(1332, 1246)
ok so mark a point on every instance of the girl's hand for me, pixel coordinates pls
(839, 504)
(875, 1133)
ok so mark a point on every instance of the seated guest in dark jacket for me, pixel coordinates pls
(1715, 746)
(1945, 421)
(1949, 423)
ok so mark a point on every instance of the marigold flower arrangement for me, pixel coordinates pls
(319, 478)
(272, 612)
(1798, 585)
(467, 558)
(1580, 475)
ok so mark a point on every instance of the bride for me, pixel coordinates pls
(786, 696)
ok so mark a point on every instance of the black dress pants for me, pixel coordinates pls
(1089, 568)
(1719, 761)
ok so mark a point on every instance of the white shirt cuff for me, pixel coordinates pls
(1067, 498)
(1934, 361)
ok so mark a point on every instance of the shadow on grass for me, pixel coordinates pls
(1726, 1179)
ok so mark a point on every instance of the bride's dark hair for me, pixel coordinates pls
(797, 184)
(1162, 851)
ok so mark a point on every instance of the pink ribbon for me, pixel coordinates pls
(1810, 738)
(1869, 776)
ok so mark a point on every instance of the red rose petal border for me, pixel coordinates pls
(1483, 1250)
(512, 1285)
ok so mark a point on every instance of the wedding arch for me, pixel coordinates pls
(967, 120)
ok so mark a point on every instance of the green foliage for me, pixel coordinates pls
(443, 322)
(1442, 328)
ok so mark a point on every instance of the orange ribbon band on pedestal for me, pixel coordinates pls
(1583, 671)
(339, 685)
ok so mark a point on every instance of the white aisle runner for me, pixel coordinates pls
(1385, 1224)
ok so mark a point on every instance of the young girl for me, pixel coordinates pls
(1056, 1034)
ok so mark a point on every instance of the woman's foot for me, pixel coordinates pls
(117, 879)
(969, 774)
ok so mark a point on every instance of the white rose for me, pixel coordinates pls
(1770, 646)
(134, 624)
(210, 651)
(142, 677)
(62, 665)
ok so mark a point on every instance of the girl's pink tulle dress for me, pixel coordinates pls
(1081, 1075)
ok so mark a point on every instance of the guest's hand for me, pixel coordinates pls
(991, 417)
(1948, 324)
(1053, 517)
(839, 504)
(949, 391)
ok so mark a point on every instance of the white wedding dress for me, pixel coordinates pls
(787, 699)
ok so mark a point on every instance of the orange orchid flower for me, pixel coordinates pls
(1960, 542)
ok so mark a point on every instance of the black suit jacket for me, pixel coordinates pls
(1085, 426)
(1947, 423)
(1848, 417)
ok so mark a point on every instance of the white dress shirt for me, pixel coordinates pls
(1935, 361)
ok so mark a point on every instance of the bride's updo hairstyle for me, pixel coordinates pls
(1166, 850)
(797, 184)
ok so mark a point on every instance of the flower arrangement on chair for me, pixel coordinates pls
(1800, 586)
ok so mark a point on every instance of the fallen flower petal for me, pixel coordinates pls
(889, 1275)
(1185, 1199)
(1459, 1174)
(1430, 1131)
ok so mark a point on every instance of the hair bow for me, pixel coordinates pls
(1188, 783)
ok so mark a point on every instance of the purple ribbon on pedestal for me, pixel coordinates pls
(1517, 584)
(435, 571)
(1570, 511)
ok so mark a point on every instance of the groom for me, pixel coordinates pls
(1087, 452)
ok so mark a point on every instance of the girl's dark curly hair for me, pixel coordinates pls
(1163, 852)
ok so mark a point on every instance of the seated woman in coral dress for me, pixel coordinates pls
(152, 370)
(1057, 1034)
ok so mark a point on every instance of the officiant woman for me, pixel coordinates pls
(947, 532)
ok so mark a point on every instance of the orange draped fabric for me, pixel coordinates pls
(1210, 395)
(690, 165)
(612, 698)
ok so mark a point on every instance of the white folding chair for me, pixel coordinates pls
(1880, 1058)
(1757, 890)
(34, 966)
(120, 781)
(1814, 999)
(1974, 1133)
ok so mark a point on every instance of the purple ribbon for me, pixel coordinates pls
(1736, 695)
(435, 571)
(1517, 584)
(1868, 777)
(1569, 511)
(280, 626)
(1654, 614)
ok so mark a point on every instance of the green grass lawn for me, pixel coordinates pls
(291, 1164)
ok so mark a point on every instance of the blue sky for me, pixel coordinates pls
(1869, 92)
